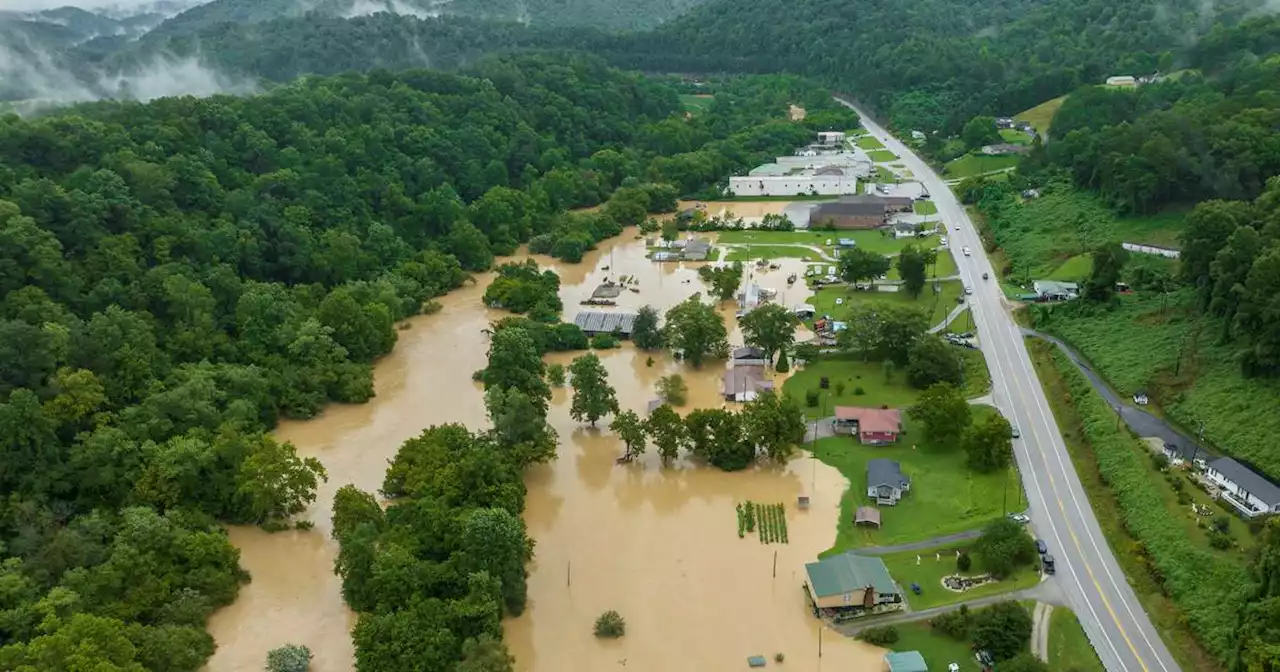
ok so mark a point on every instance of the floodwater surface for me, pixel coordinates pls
(658, 544)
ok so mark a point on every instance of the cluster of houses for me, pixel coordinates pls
(824, 168)
(690, 249)
(1129, 81)
(1015, 124)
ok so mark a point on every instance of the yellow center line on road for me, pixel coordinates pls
(1071, 530)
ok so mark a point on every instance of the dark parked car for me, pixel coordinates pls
(1041, 547)
(1048, 564)
(985, 276)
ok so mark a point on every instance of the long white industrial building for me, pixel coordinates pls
(793, 185)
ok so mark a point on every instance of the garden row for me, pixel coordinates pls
(768, 520)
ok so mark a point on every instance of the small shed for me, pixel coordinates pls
(802, 502)
(755, 661)
(905, 661)
(868, 515)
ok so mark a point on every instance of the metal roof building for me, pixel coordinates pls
(593, 323)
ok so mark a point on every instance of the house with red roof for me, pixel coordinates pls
(872, 426)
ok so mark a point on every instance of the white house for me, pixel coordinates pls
(831, 137)
(1052, 290)
(1122, 80)
(1250, 493)
(828, 184)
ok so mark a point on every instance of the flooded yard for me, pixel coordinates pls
(658, 544)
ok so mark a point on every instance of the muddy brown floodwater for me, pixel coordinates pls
(658, 544)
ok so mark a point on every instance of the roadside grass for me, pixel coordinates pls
(946, 497)
(977, 164)
(1041, 116)
(846, 374)
(940, 561)
(925, 208)
(696, 103)
(1073, 269)
(1069, 647)
(753, 252)
(938, 649)
(1039, 235)
(1136, 346)
(977, 379)
(935, 305)
(945, 267)
(869, 142)
(885, 175)
(1014, 137)
(882, 155)
(1168, 619)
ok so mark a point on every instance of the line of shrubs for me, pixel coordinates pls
(1210, 591)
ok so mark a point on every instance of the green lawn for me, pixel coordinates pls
(938, 649)
(928, 574)
(1014, 136)
(1041, 116)
(925, 208)
(882, 155)
(977, 378)
(945, 267)
(874, 241)
(696, 103)
(937, 305)
(846, 374)
(885, 175)
(1069, 648)
(1074, 269)
(869, 142)
(977, 164)
(945, 497)
(754, 252)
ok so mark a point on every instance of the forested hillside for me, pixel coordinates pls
(178, 275)
(933, 63)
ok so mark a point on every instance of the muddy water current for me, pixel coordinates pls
(658, 544)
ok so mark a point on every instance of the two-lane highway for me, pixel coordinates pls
(1087, 572)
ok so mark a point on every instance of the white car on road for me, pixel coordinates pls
(967, 252)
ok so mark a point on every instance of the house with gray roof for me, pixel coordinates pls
(1052, 290)
(593, 322)
(1243, 488)
(885, 481)
(849, 582)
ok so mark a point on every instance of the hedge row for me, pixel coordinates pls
(1209, 591)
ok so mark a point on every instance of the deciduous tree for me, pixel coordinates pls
(858, 264)
(989, 444)
(773, 425)
(667, 430)
(631, 431)
(944, 412)
(931, 361)
(697, 330)
(645, 332)
(593, 397)
(770, 327)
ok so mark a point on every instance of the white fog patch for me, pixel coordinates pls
(114, 8)
(370, 7)
(35, 81)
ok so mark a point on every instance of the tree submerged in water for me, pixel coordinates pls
(611, 625)
(289, 658)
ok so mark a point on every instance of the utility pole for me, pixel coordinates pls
(1196, 450)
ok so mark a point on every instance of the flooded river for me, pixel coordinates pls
(659, 545)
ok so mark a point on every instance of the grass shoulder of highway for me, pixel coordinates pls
(944, 268)
(927, 567)
(1069, 647)
(882, 156)
(868, 142)
(874, 241)
(925, 208)
(1190, 595)
(946, 496)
